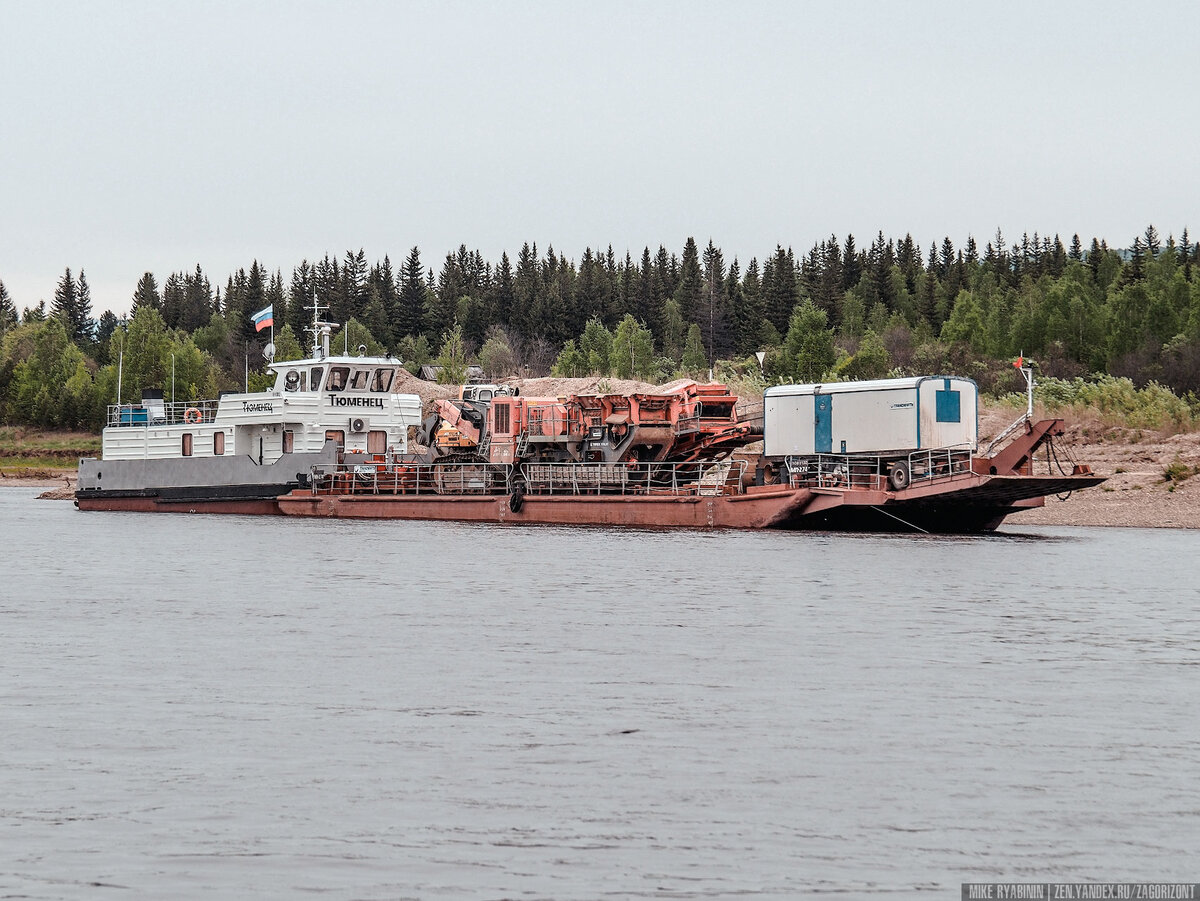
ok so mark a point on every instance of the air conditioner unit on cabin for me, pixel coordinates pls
(358, 424)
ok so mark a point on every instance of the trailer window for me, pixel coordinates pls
(949, 406)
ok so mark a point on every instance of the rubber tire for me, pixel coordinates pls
(899, 477)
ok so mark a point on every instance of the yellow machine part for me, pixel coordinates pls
(449, 436)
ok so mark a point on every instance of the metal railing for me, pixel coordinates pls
(873, 471)
(705, 479)
(680, 479)
(410, 478)
(152, 412)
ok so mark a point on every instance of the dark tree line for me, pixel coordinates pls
(1076, 307)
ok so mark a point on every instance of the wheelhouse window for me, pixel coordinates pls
(360, 378)
(289, 440)
(314, 378)
(218, 444)
(338, 376)
(376, 441)
(382, 380)
(187, 444)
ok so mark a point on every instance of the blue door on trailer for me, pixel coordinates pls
(823, 423)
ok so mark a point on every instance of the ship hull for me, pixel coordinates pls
(971, 504)
(256, 500)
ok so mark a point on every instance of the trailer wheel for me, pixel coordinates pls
(899, 477)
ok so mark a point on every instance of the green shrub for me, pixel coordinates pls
(1177, 471)
(1152, 407)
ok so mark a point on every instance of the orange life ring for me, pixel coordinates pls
(191, 414)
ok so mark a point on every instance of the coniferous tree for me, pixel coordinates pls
(174, 292)
(255, 299)
(145, 295)
(527, 291)
(34, 314)
(299, 304)
(753, 311)
(1076, 253)
(375, 316)
(8, 310)
(666, 278)
(780, 291)
(352, 296)
(84, 326)
(274, 297)
(690, 291)
(648, 297)
(411, 308)
(1152, 242)
(500, 293)
(972, 252)
(851, 265)
(908, 258)
(715, 327)
(197, 306)
(1136, 270)
(384, 280)
(66, 299)
(590, 294)
(736, 301)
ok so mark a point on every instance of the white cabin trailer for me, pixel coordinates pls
(350, 400)
(873, 417)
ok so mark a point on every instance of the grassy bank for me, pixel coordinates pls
(28, 453)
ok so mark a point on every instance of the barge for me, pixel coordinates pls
(946, 491)
(335, 438)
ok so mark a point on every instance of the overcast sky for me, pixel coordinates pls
(154, 136)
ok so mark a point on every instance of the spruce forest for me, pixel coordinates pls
(1081, 312)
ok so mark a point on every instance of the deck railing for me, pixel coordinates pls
(708, 479)
(679, 479)
(150, 413)
(873, 471)
(410, 478)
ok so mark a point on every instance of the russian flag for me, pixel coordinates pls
(263, 319)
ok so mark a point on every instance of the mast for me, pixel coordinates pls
(320, 331)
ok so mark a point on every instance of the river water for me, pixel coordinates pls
(200, 707)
